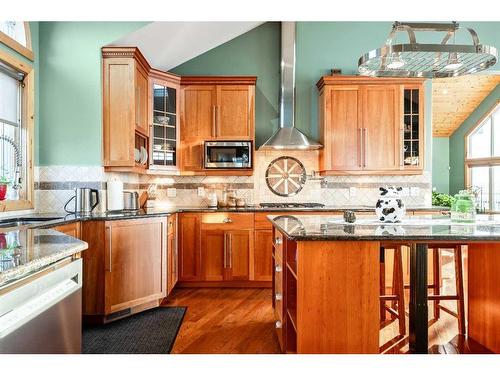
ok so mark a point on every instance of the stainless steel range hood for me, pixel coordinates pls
(287, 137)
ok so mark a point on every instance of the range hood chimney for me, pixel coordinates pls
(287, 137)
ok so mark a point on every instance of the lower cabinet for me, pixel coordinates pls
(172, 256)
(263, 270)
(226, 254)
(70, 229)
(218, 249)
(125, 267)
(189, 247)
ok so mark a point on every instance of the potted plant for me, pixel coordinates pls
(4, 182)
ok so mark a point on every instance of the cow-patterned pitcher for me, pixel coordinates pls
(390, 208)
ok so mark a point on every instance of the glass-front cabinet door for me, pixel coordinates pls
(413, 126)
(164, 137)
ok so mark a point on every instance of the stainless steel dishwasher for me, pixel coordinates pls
(42, 313)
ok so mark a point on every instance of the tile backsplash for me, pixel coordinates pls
(55, 185)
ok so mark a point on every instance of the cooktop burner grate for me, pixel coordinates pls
(292, 205)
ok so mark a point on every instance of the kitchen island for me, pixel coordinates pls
(327, 272)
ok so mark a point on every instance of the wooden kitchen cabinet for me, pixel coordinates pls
(235, 114)
(225, 254)
(217, 249)
(163, 110)
(371, 125)
(263, 270)
(226, 246)
(214, 108)
(381, 121)
(172, 256)
(125, 107)
(189, 247)
(125, 267)
(71, 229)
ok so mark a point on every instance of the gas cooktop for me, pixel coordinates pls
(292, 205)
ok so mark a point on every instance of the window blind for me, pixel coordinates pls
(9, 96)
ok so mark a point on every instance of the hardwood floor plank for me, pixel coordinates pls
(225, 321)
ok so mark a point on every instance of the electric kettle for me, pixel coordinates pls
(86, 199)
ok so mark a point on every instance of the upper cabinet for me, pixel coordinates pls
(140, 107)
(154, 123)
(214, 108)
(371, 125)
(164, 119)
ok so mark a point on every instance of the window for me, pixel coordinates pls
(482, 160)
(16, 35)
(16, 129)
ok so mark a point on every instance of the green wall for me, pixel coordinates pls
(70, 89)
(256, 52)
(457, 141)
(441, 164)
(70, 78)
(320, 46)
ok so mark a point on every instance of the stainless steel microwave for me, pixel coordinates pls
(228, 154)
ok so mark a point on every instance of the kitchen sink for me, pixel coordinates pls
(22, 221)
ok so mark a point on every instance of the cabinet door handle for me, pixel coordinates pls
(214, 129)
(110, 251)
(230, 250)
(227, 220)
(217, 120)
(278, 241)
(277, 324)
(278, 268)
(365, 131)
(278, 296)
(225, 250)
(360, 145)
(401, 161)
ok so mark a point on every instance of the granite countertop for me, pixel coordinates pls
(412, 228)
(59, 218)
(23, 252)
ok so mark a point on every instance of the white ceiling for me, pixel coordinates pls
(169, 44)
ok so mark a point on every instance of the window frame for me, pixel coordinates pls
(490, 161)
(27, 119)
(18, 47)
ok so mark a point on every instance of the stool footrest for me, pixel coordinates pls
(389, 297)
(444, 298)
(447, 310)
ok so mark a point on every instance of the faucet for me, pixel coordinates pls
(19, 161)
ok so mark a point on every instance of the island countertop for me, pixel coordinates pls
(369, 228)
(23, 252)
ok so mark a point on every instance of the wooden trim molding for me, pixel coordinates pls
(122, 52)
(480, 121)
(25, 51)
(218, 80)
(362, 80)
(28, 119)
(477, 162)
(165, 76)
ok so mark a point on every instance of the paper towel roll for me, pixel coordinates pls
(115, 195)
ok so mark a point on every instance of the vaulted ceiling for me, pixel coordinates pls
(169, 44)
(454, 99)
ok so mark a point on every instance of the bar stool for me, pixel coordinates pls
(436, 295)
(397, 308)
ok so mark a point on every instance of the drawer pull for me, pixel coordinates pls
(278, 241)
(278, 268)
(278, 296)
(278, 324)
(227, 220)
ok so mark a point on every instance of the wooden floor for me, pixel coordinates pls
(230, 321)
(225, 321)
